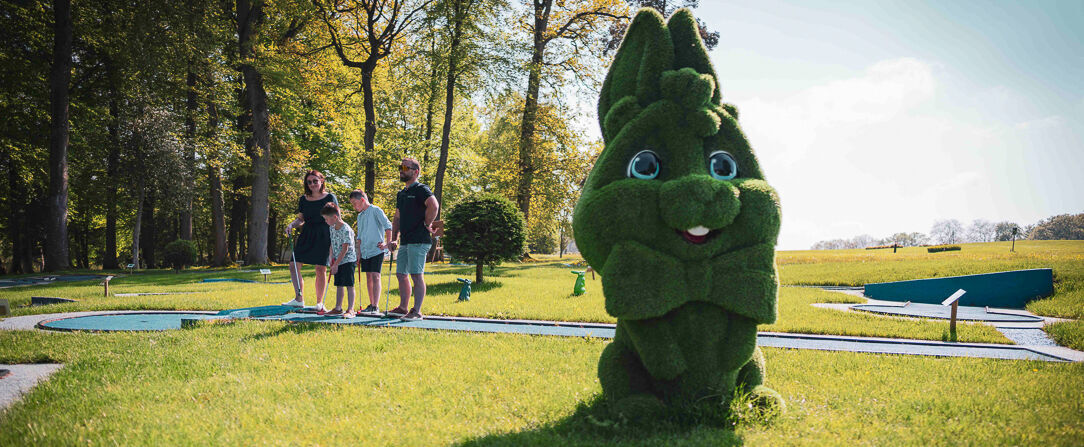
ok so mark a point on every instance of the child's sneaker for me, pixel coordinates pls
(413, 315)
(371, 310)
(397, 312)
(318, 309)
(295, 303)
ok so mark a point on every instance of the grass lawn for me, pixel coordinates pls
(272, 383)
(858, 267)
(541, 291)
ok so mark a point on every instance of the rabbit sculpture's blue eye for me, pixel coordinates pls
(644, 166)
(722, 166)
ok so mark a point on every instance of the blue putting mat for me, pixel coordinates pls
(149, 321)
(966, 313)
(243, 280)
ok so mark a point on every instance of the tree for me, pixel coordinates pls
(250, 15)
(948, 231)
(56, 244)
(180, 254)
(362, 33)
(576, 23)
(1060, 227)
(1003, 231)
(485, 231)
(981, 230)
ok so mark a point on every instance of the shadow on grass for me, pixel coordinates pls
(592, 425)
(292, 328)
(452, 288)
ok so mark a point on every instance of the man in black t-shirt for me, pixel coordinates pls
(415, 209)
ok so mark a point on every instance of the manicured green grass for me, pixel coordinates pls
(539, 291)
(858, 267)
(272, 383)
(1068, 333)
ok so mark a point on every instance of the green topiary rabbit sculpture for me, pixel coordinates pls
(678, 219)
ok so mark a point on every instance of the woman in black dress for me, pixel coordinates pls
(314, 243)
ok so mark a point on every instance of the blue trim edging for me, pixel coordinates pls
(1012, 289)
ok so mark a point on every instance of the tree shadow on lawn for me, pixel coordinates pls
(592, 425)
(293, 328)
(452, 288)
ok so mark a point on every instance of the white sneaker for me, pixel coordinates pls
(319, 307)
(294, 303)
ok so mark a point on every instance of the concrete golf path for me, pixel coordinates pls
(165, 320)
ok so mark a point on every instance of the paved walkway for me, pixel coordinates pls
(22, 379)
(164, 320)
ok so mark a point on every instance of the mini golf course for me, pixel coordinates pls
(158, 321)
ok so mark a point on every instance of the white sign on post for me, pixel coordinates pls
(954, 297)
(265, 271)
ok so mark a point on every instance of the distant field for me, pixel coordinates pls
(858, 267)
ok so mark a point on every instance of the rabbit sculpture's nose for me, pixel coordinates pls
(698, 205)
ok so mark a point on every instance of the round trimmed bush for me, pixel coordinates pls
(485, 231)
(180, 254)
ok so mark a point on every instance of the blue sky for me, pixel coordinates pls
(882, 117)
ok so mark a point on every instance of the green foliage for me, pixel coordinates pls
(1067, 333)
(484, 231)
(544, 242)
(1064, 226)
(180, 254)
(941, 248)
(667, 285)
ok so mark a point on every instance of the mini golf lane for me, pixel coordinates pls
(150, 321)
(966, 313)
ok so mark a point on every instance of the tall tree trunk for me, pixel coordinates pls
(530, 109)
(248, 17)
(56, 241)
(459, 15)
(137, 224)
(16, 212)
(218, 217)
(112, 166)
(370, 127)
(149, 234)
(272, 241)
(185, 214)
(237, 219)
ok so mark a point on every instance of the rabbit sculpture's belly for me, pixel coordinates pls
(692, 353)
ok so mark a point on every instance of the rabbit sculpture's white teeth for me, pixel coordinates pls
(698, 231)
(696, 235)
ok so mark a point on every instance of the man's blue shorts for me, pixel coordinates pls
(411, 259)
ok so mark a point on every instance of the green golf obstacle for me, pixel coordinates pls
(464, 292)
(580, 287)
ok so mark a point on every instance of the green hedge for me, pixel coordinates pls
(940, 248)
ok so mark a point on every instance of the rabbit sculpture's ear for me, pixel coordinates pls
(633, 79)
(689, 50)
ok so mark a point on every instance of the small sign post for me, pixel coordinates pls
(105, 283)
(131, 268)
(954, 300)
(265, 272)
(1015, 230)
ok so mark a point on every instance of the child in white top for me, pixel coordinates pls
(342, 257)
